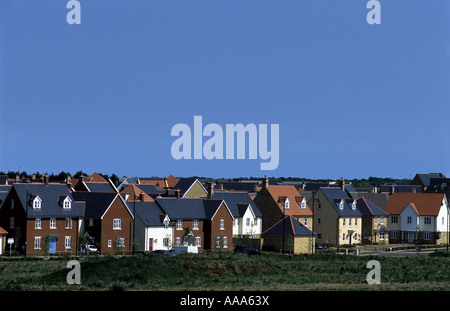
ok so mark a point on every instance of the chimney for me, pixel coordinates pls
(392, 189)
(69, 181)
(141, 196)
(210, 190)
(266, 182)
(46, 179)
(167, 191)
(177, 193)
(342, 184)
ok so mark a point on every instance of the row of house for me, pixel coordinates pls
(146, 214)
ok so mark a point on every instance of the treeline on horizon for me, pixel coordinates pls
(359, 183)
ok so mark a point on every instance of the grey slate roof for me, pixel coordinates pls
(232, 199)
(184, 184)
(50, 195)
(288, 226)
(182, 209)
(334, 196)
(211, 207)
(149, 213)
(96, 202)
(367, 208)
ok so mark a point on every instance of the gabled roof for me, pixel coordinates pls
(136, 194)
(237, 185)
(99, 186)
(233, 199)
(424, 178)
(182, 209)
(426, 203)
(211, 206)
(280, 192)
(95, 177)
(334, 196)
(184, 184)
(51, 200)
(149, 213)
(367, 208)
(97, 203)
(3, 231)
(288, 226)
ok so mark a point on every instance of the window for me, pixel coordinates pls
(178, 240)
(354, 205)
(381, 235)
(67, 242)
(166, 242)
(375, 220)
(343, 222)
(255, 221)
(225, 242)
(117, 224)
(356, 222)
(394, 219)
(37, 202)
(319, 236)
(319, 221)
(427, 235)
(198, 241)
(120, 242)
(195, 224)
(11, 222)
(109, 243)
(179, 225)
(222, 224)
(247, 222)
(382, 220)
(52, 223)
(12, 203)
(287, 203)
(67, 203)
(306, 222)
(37, 242)
(303, 204)
(350, 222)
(91, 222)
(409, 219)
(394, 234)
(68, 223)
(319, 205)
(428, 220)
(343, 237)
(218, 241)
(341, 204)
(37, 223)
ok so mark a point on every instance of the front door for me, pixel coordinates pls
(150, 245)
(52, 248)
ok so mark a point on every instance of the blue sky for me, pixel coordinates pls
(351, 99)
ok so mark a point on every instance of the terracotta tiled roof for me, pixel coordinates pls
(3, 231)
(136, 194)
(95, 177)
(425, 203)
(280, 193)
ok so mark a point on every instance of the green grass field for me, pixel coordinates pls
(228, 271)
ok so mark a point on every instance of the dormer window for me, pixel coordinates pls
(287, 203)
(341, 204)
(354, 205)
(65, 202)
(37, 202)
(303, 204)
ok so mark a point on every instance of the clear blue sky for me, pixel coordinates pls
(352, 99)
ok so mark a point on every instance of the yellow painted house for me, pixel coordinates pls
(191, 188)
(337, 220)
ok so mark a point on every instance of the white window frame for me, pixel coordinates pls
(287, 204)
(117, 224)
(37, 242)
(37, 202)
(37, 223)
(52, 223)
(198, 241)
(179, 225)
(68, 223)
(68, 242)
(222, 224)
(225, 242)
(195, 224)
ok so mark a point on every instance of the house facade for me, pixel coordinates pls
(337, 221)
(277, 201)
(42, 218)
(418, 218)
(108, 221)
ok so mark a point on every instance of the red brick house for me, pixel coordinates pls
(218, 225)
(108, 221)
(41, 218)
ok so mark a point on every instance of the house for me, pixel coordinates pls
(189, 217)
(133, 193)
(424, 179)
(108, 221)
(158, 182)
(205, 223)
(374, 222)
(42, 217)
(277, 201)
(291, 235)
(191, 188)
(418, 218)
(247, 216)
(94, 183)
(154, 229)
(3, 234)
(337, 221)
(218, 225)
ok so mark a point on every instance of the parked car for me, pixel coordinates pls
(245, 249)
(161, 252)
(89, 248)
(320, 246)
